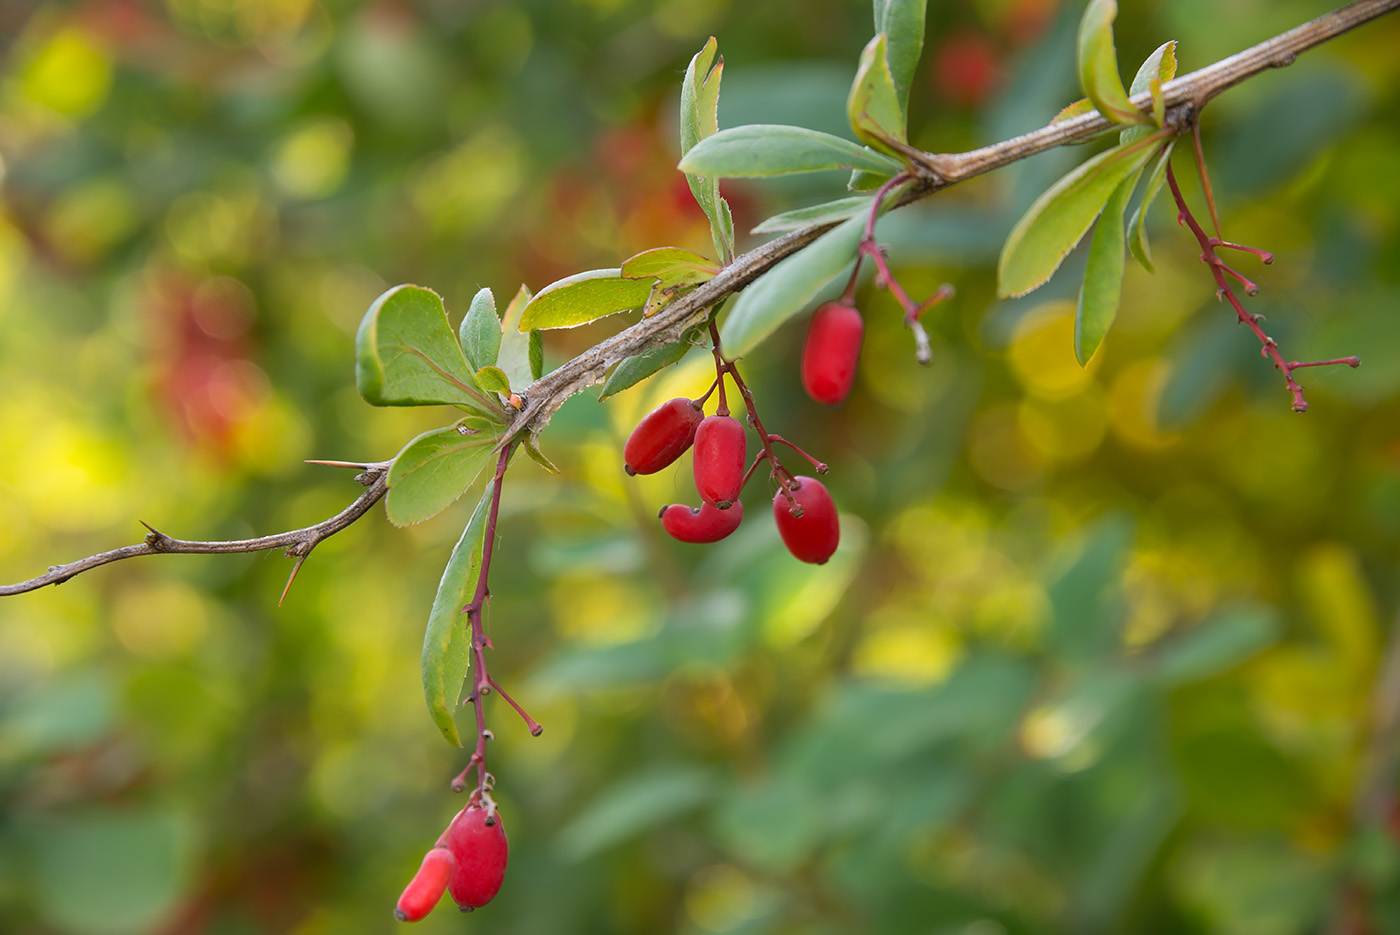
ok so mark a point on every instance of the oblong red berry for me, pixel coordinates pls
(426, 887)
(700, 524)
(720, 450)
(831, 351)
(813, 536)
(661, 437)
(480, 851)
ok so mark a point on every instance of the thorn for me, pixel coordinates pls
(359, 465)
(155, 539)
(301, 559)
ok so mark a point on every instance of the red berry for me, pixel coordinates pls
(480, 850)
(661, 437)
(426, 887)
(720, 450)
(830, 354)
(813, 536)
(700, 524)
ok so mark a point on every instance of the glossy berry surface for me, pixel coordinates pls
(700, 524)
(721, 448)
(426, 887)
(480, 852)
(830, 354)
(661, 437)
(813, 536)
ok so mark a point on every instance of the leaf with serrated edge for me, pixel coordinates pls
(699, 118)
(902, 22)
(405, 355)
(436, 468)
(480, 332)
(1058, 219)
(584, 297)
(1158, 67)
(837, 210)
(447, 640)
(760, 150)
(872, 106)
(634, 370)
(786, 289)
(1137, 231)
(493, 379)
(673, 266)
(1098, 64)
(1081, 106)
(514, 358)
(1103, 275)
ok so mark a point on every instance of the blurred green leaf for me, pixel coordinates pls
(786, 289)
(480, 332)
(69, 711)
(1098, 64)
(874, 107)
(1137, 225)
(902, 22)
(584, 297)
(1058, 219)
(633, 370)
(405, 355)
(1083, 591)
(699, 118)
(447, 640)
(773, 824)
(1081, 106)
(436, 468)
(1103, 275)
(1223, 640)
(636, 803)
(824, 213)
(761, 150)
(493, 380)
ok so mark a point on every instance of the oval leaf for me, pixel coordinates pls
(902, 22)
(672, 266)
(873, 106)
(1058, 219)
(447, 641)
(405, 355)
(515, 357)
(634, 370)
(493, 379)
(436, 468)
(1137, 230)
(1098, 64)
(582, 298)
(760, 149)
(699, 118)
(480, 332)
(786, 289)
(1157, 68)
(824, 213)
(1103, 275)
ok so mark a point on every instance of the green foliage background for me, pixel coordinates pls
(1096, 654)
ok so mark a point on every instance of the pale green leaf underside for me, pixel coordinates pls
(515, 358)
(584, 297)
(1098, 64)
(674, 266)
(1103, 275)
(1157, 69)
(760, 150)
(493, 379)
(824, 213)
(436, 468)
(873, 106)
(480, 332)
(447, 640)
(786, 289)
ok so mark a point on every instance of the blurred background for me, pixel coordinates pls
(1097, 653)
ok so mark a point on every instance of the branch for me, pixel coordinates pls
(297, 542)
(1185, 96)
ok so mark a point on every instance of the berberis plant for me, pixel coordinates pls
(489, 369)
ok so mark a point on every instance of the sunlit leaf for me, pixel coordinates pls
(699, 118)
(1137, 225)
(405, 355)
(673, 266)
(824, 213)
(1103, 275)
(759, 150)
(447, 641)
(493, 379)
(1156, 69)
(902, 22)
(786, 289)
(1081, 106)
(480, 332)
(436, 468)
(584, 297)
(1098, 64)
(1058, 219)
(873, 107)
(515, 357)
(634, 370)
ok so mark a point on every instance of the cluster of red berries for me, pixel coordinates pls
(468, 861)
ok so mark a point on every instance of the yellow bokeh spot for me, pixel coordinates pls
(1064, 430)
(912, 649)
(1132, 405)
(720, 898)
(313, 160)
(600, 610)
(1000, 451)
(1341, 605)
(70, 477)
(159, 620)
(1059, 732)
(1042, 353)
(70, 74)
(464, 189)
(90, 218)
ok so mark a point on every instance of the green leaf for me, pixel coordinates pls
(1081, 106)
(515, 357)
(1137, 229)
(699, 118)
(1098, 64)
(494, 380)
(1058, 219)
(672, 266)
(873, 106)
(1157, 68)
(902, 22)
(532, 448)
(633, 805)
(1223, 640)
(824, 213)
(480, 332)
(536, 353)
(405, 355)
(786, 289)
(584, 297)
(634, 370)
(762, 149)
(436, 468)
(1103, 275)
(863, 181)
(447, 641)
